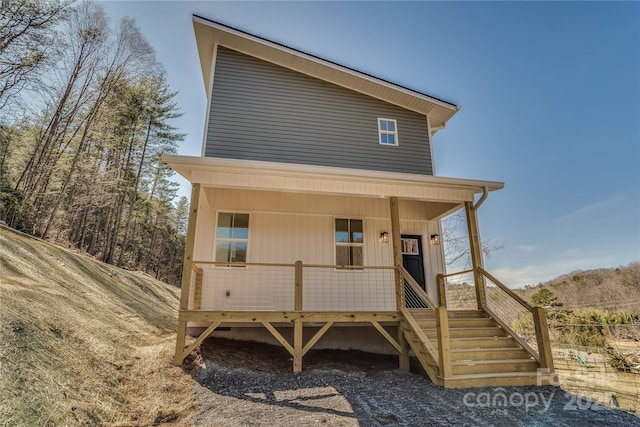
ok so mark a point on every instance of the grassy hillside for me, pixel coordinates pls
(84, 343)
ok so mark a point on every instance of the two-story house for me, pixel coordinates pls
(315, 219)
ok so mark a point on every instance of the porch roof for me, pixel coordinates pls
(270, 176)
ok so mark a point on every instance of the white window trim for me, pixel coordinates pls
(336, 244)
(386, 132)
(226, 239)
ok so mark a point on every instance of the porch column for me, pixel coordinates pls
(397, 262)
(185, 289)
(476, 253)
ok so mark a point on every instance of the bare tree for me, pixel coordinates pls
(130, 54)
(87, 37)
(456, 241)
(26, 38)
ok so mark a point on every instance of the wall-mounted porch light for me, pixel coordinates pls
(384, 237)
(435, 239)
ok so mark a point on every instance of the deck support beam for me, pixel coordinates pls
(185, 291)
(199, 340)
(316, 337)
(387, 336)
(278, 337)
(476, 253)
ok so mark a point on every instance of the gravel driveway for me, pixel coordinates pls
(248, 384)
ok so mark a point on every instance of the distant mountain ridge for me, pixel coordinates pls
(606, 288)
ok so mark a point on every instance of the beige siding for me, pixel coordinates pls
(306, 184)
(285, 228)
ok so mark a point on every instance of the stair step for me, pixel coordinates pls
(461, 354)
(494, 366)
(500, 379)
(453, 314)
(483, 342)
(470, 332)
(464, 322)
(461, 322)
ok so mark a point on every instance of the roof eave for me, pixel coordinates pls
(185, 165)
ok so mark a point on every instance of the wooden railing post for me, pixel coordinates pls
(442, 292)
(197, 288)
(476, 253)
(444, 342)
(298, 290)
(542, 336)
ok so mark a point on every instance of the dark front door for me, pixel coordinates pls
(412, 257)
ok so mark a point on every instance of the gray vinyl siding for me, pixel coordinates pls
(261, 111)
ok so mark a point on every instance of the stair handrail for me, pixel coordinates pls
(513, 334)
(455, 273)
(508, 291)
(416, 288)
(408, 317)
(544, 353)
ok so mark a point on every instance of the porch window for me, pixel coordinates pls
(349, 242)
(232, 237)
(388, 131)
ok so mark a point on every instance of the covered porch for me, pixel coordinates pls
(291, 284)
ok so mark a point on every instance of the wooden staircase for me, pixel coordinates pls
(481, 352)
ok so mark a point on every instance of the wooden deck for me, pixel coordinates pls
(457, 348)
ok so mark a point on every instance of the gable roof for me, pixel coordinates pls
(209, 33)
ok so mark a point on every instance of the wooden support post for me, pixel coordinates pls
(403, 356)
(476, 253)
(181, 337)
(442, 292)
(298, 289)
(397, 250)
(542, 336)
(397, 262)
(297, 346)
(185, 290)
(444, 343)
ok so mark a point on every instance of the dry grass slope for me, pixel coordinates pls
(84, 343)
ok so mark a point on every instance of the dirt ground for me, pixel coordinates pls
(251, 384)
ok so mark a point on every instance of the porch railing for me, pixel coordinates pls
(288, 287)
(525, 323)
(223, 286)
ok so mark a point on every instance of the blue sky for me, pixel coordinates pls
(550, 97)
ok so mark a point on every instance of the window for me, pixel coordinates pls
(388, 131)
(232, 237)
(349, 242)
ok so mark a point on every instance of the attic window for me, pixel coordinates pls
(388, 131)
